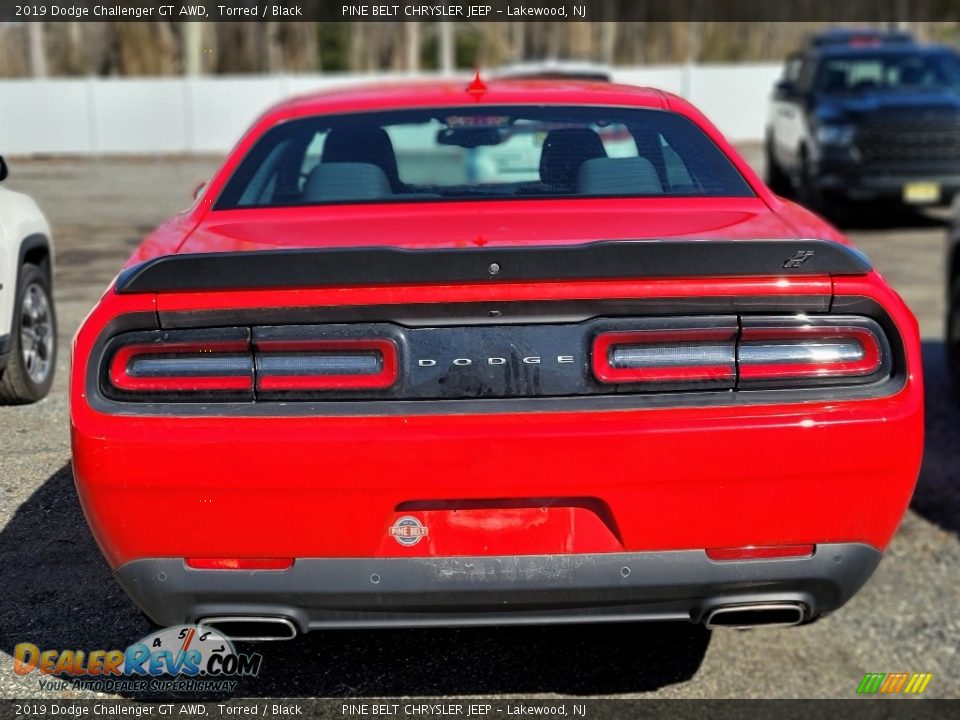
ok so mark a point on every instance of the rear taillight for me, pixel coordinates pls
(237, 364)
(766, 352)
(193, 366)
(350, 364)
(702, 356)
(601, 356)
(800, 351)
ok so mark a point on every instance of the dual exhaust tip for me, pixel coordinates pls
(249, 628)
(252, 628)
(756, 615)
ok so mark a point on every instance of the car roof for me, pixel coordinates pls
(554, 70)
(461, 91)
(853, 36)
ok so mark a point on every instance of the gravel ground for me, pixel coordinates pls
(58, 592)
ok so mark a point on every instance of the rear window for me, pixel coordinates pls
(481, 153)
(888, 72)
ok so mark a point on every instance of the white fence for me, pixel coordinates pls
(208, 114)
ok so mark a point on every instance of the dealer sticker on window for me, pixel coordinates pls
(921, 192)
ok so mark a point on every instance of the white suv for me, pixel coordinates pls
(28, 323)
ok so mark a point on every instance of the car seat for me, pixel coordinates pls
(564, 151)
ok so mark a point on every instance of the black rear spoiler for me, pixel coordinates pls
(624, 259)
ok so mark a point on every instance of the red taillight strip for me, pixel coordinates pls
(192, 353)
(769, 353)
(281, 363)
(671, 355)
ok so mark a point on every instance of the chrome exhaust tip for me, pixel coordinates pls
(251, 628)
(756, 615)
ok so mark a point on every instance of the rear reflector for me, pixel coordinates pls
(354, 364)
(239, 563)
(759, 553)
(693, 355)
(201, 366)
(808, 352)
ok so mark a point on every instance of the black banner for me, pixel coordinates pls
(485, 709)
(477, 10)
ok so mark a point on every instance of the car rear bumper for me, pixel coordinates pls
(869, 180)
(493, 590)
(605, 481)
(583, 482)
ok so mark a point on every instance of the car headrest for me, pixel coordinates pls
(619, 176)
(330, 182)
(564, 151)
(362, 145)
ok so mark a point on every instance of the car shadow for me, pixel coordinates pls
(59, 593)
(937, 497)
(880, 215)
(885, 216)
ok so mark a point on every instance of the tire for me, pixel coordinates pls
(777, 179)
(29, 371)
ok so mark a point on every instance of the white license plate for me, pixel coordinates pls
(921, 192)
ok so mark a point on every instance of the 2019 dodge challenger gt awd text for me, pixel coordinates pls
(533, 351)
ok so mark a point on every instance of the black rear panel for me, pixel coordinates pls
(497, 361)
(370, 366)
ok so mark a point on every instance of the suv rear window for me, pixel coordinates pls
(481, 153)
(888, 72)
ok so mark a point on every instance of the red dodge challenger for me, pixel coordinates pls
(533, 351)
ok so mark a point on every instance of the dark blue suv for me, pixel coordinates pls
(866, 115)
